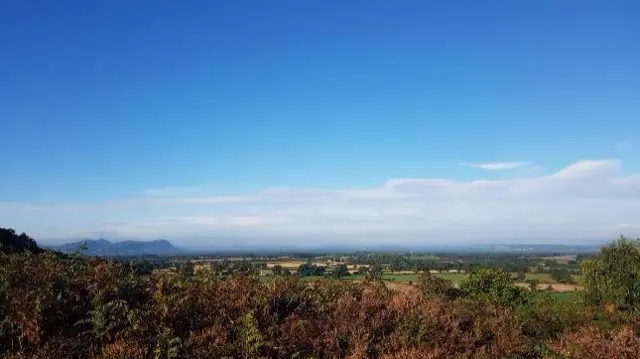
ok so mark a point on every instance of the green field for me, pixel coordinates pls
(456, 278)
(541, 277)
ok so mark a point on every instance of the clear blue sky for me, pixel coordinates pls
(104, 100)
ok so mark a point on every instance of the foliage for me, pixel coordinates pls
(310, 270)
(226, 268)
(277, 270)
(340, 271)
(548, 318)
(432, 286)
(613, 278)
(495, 285)
(187, 269)
(249, 336)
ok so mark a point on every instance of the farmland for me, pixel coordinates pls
(527, 270)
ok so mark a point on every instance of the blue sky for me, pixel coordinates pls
(200, 119)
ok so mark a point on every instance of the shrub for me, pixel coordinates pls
(494, 285)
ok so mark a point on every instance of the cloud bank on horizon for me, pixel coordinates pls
(587, 200)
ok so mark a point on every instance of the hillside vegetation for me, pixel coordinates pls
(55, 306)
(11, 242)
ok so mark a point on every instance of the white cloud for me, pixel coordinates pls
(586, 200)
(497, 166)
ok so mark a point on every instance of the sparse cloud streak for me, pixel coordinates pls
(497, 166)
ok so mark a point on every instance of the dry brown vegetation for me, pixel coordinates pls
(61, 308)
(53, 306)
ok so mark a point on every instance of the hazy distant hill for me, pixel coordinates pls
(103, 247)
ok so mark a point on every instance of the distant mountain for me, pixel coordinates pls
(103, 247)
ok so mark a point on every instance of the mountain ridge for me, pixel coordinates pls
(104, 247)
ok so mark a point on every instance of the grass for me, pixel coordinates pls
(541, 277)
(564, 296)
(456, 278)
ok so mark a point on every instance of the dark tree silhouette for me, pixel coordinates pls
(11, 242)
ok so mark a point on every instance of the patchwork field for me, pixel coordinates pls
(403, 281)
(294, 264)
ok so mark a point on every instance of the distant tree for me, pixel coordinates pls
(309, 270)
(340, 271)
(286, 272)
(375, 272)
(561, 275)
(277, 270)
(521, 276)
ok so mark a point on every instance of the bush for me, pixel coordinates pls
(548, 318)
(613, 278)
(494, 285)
(432, 286)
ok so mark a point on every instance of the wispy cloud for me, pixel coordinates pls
(585, 200)
(497, 166)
